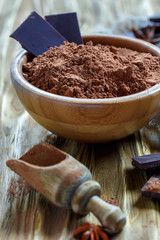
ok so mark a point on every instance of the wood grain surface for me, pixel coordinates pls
(24, 213)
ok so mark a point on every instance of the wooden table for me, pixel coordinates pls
(24, 213)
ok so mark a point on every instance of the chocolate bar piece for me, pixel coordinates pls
(36, 35)
(157, 29)
(146, 162)
(152, 188)
(155, 18)
(67, 25)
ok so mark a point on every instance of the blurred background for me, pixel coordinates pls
(105, 16)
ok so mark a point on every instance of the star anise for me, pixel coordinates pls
(89, 231)
(147, 33)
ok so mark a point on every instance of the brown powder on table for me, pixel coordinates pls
(18, 188)
(112, 201)
(87, 71)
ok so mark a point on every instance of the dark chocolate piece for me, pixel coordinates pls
(155, 18)
(152, 188)
(67, 25)
(147, 161)
(36, 35)
(157, 30)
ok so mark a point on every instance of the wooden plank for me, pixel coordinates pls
(30, 215)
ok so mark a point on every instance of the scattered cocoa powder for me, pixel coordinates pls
(87, 71)
(18, 188)
(112, 201)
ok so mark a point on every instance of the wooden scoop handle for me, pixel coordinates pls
(109, 215)
(86, 199)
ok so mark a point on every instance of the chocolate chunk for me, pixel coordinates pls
(155, 18)
(152, 188)
(157, 29)
(36, 35)
(67, 25)
(147, 161)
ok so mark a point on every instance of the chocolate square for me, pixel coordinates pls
(146, 162)
(67, 25)
(155, 18)
(152, 188)
(36, 35)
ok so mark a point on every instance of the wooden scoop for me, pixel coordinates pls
(67, 183)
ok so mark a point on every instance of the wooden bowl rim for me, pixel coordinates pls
(17, 77)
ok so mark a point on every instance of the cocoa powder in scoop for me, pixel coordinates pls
(87, 71)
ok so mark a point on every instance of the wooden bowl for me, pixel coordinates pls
(89, 120)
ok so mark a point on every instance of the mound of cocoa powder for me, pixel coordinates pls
(87, 71)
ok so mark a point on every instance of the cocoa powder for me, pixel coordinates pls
(112, 201)
(18, 188)
(87, 71)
